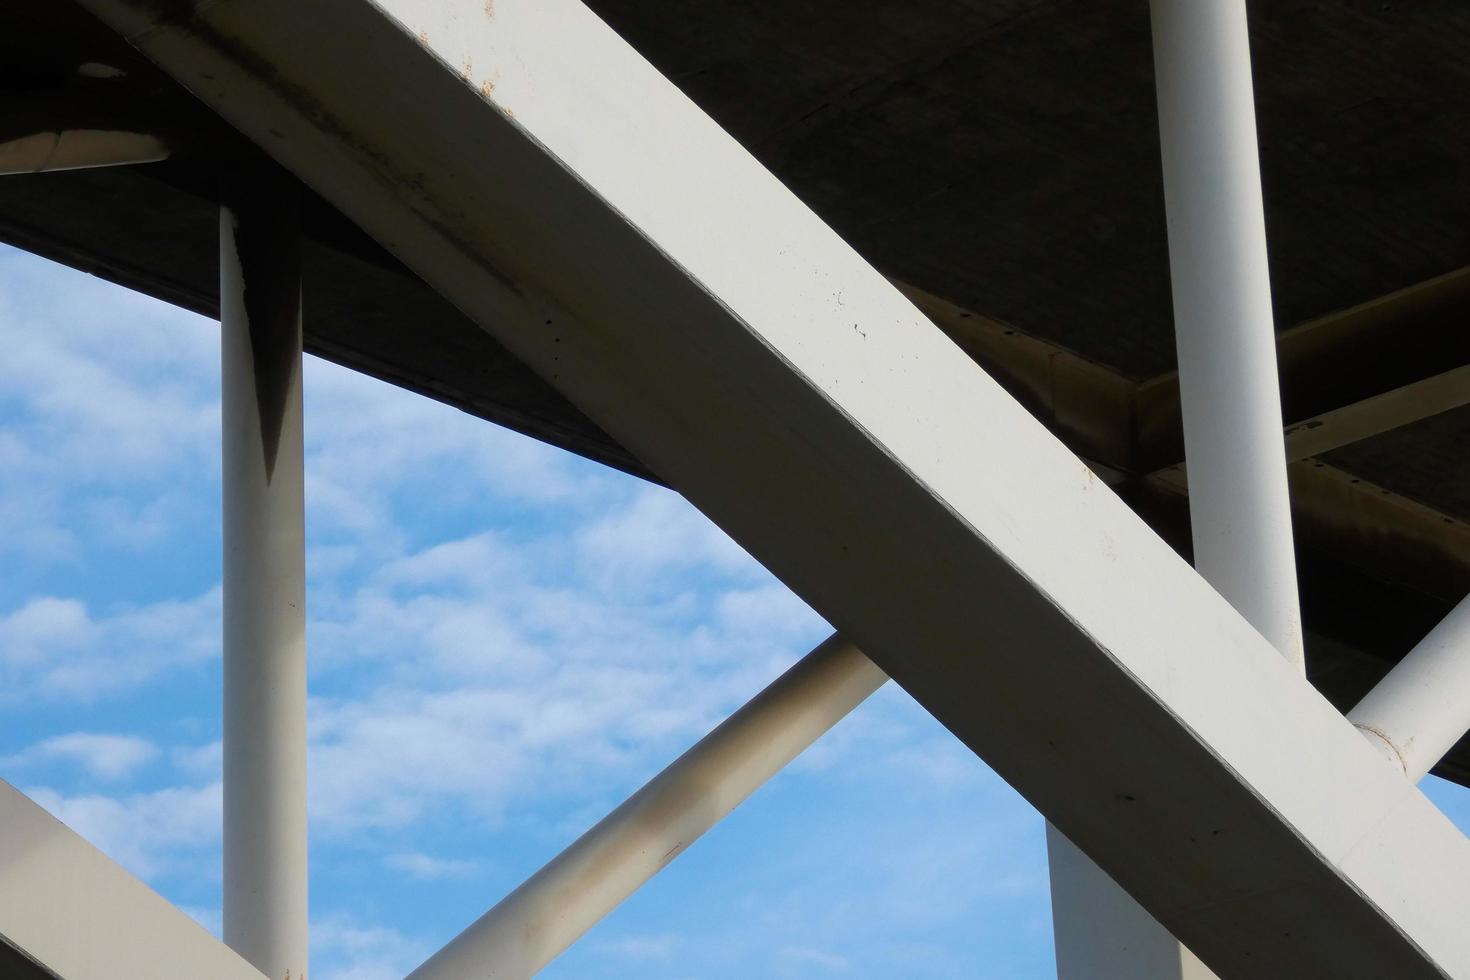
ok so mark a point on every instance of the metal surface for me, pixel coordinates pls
(94, 118)
(1239, 507)
(639, 259)
(1402, 341)
(1101, 932)
(1378, 414)
(78, 150)
(1422, 708)
(265, 832)
(932, 135)
(540, 919)
(1240, 512)
(71, 912)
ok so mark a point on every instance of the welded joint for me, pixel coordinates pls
(1379, 740)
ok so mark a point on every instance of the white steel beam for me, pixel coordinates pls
(265, 911)
(1422, 708)
(71, 909)
(535, 923)
(525, 161)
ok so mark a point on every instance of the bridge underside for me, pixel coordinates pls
(1002, 160)
(998, 163)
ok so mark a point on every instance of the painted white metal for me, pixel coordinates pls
(78, 149)
(579, 207)
(1239, 507)
(1101, 932)
(540, 919)
(265, 911)
(73, 910)
(1422, 708)
(1240, 511)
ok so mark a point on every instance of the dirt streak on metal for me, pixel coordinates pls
(182, 15)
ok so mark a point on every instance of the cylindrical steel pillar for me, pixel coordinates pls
(1102, 933)
(556, 905)
(1228, 382)
(265, 913)
(1422, 708)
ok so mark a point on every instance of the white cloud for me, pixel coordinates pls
(657, 536)
(483, 708)
(365, 451)
(150, 833)
(656, 948)
(560, 662)
(124, 392)
(803, 960)
(57, 648)
(769, 609)
(344, 949)
(204, 761)
(426, 867)
(102, 756)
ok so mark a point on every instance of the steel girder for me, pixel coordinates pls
(531, 167)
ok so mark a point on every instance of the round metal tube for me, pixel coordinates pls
(1422, 707)
(1238, 502)
(265, 913)
(555, 906)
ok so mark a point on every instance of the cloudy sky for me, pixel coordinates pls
(505, 640)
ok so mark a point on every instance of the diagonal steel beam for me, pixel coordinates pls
(71, 912)
(528, 164)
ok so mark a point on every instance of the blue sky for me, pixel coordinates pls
(505, 640)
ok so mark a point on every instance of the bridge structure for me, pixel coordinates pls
(1098, 370)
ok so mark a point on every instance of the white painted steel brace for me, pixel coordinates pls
(1422, 708)
(556, 905)
(265, 833)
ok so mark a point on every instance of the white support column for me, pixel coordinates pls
(1240, 510)
(1239, 507)
(1101, 932)
(535, 923)
(265, 912)
(1422, 708)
